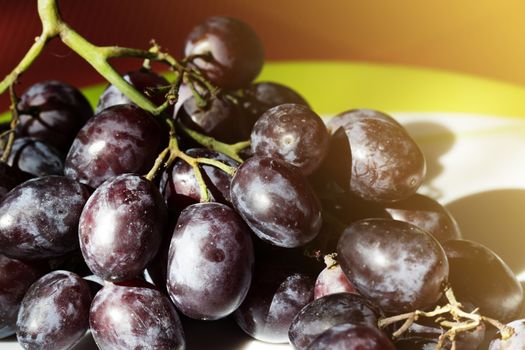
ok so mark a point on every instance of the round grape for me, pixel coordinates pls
(121, 227)
(236, 53)
(352, 337)
(293, 133)
(393, 263)
(54, 313)
(210, 261)
(276, 202)
(39, 218)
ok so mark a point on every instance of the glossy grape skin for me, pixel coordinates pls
(54, 313)
(179, 185)
(394, 264)
(39, 218)
(427, 214)
(515, 342)
(36, 157)
(143, 80)
(210, 261)
(121, 227)
(16, 277)
(479, 276)
(54, 112)
(237, 54)
(120, 139)
(261, 96)
(326, 312)
(219, 119)
(352, 337)
(292, 133)
(272, 302)
(10, 177)
(134, 317)
(387, 165)
(276, 202)
(332, 280)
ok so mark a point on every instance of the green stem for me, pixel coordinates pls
(24, 64)
(231, 151)
(218, 164)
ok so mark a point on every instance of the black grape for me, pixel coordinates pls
(236, 52)
(393, 263)
(120, 139)
(121, 227)
(36, 157)
(219, 119)
(273, 301)
(54, 112)
(387, 165)
(479, 276)
(210, 261)
(54, 313)
(134, 316)
(276, 202)
(292, 133)
(39, 218)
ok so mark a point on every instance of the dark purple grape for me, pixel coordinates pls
(16, 277)
(219, 119)
(393, 263)
(416, 344)
(352, 337)
(134, 317)
(427, 214)
(120, 139)
(179, 185)
(261, 96)
(276, 201)
(387, 165)
(54, 112)
(210, 261)
(479, 276)
(236, 53)
(332, 280)
(272, 302)
(515, 342)
(54, 313)
(39, 218)
(36, 157)
(292, 133)
(326, 312)
(143, 80)
(121, 227)
(10, 177)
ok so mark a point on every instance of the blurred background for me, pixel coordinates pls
(482, 38)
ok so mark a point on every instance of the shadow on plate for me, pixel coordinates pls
(435, 140)
(497, 220)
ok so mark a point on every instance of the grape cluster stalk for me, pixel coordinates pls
(246, 217)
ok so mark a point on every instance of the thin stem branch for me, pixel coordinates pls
(231, 151)
(12, 126)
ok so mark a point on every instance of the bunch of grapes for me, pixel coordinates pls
(213, 196)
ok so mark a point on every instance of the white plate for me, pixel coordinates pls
(476, 167)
